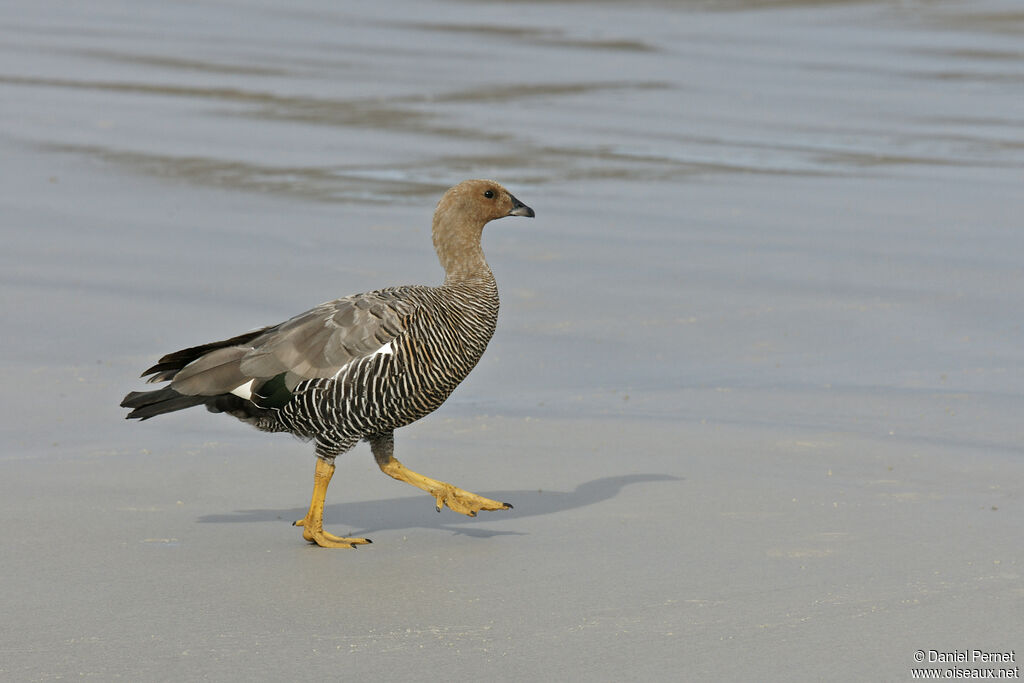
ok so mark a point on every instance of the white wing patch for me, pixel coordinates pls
(244, 390)
(386, 350)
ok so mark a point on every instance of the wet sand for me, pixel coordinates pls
(755, 392)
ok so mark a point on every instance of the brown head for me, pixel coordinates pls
(460, 218)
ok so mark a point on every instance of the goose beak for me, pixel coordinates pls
(520, 209)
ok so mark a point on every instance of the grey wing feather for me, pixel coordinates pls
(314, 344)
(320, 342)
(216, 372)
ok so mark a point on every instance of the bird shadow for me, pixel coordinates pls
(366, 517)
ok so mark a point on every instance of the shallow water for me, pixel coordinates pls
(798, 218)
(817, 197)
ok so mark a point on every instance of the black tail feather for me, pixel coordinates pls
(147, 404)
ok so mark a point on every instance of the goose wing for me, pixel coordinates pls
(316, 344)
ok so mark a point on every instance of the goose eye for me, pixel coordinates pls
(489, 194)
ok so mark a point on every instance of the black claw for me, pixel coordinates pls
(508, 506)
(438, 508)
(368, 540)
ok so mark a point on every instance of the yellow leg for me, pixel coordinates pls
(313, 524)
(444, 494)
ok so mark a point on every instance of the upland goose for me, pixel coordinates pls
(357, 368)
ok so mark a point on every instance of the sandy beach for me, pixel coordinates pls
(755, 393)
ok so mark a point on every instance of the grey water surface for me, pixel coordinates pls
(756, 391)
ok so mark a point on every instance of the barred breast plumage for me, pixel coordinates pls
(357, 367)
